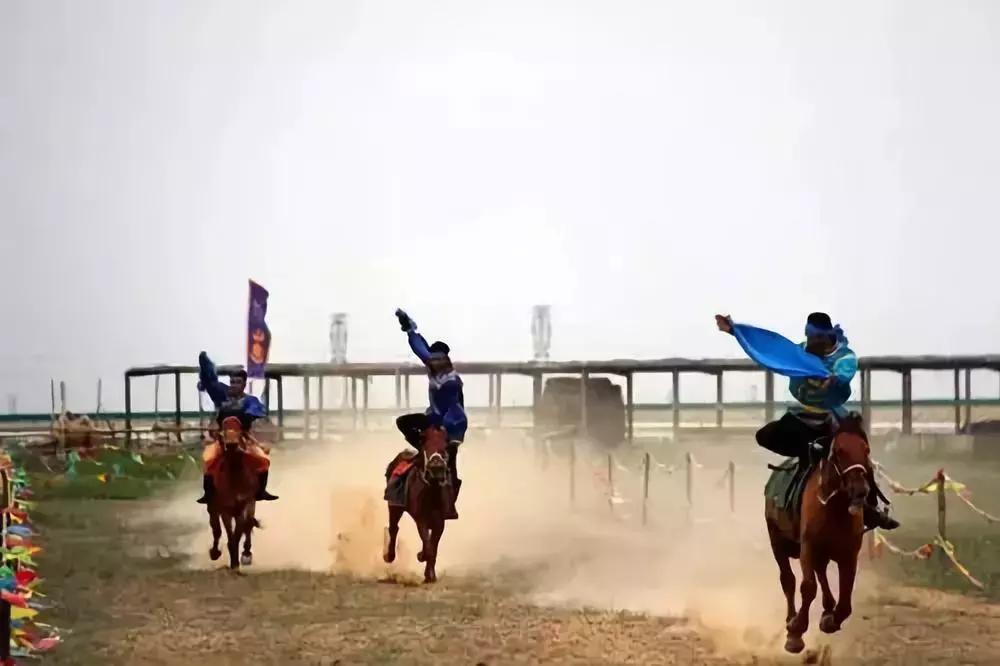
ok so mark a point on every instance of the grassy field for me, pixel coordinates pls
(130, 585)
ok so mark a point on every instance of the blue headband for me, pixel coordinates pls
(837, 333)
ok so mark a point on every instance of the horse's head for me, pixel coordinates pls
(232, 433)
(435, 452)
(850, 459)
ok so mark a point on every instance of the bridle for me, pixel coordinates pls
(427, 459)
(841, 473)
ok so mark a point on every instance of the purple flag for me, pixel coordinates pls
(258, 335)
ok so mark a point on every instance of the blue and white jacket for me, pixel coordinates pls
(447, 400)
(816, 401)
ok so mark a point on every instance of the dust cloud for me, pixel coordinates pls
(709, 565)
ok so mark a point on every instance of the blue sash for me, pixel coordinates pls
(777, 353)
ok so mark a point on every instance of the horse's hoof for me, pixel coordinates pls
(246, 560)
(794, 644)
(388, 558)
(430, 578)
(421, 557)
(828, 624)
(214, 554)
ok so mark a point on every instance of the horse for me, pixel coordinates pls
(233, 503)
(427, 498)
(829, 528)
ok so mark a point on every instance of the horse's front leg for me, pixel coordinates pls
(232, 542)
(848, 570)
(389, 552)
(800, 623)
(247, 558)
(827, 623)
(780, 550)
(213, 520)
(436, 532)
(424, 533)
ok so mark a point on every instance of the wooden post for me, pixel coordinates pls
(732, 487)
(718, 400)
(536, 398)
(645, 485)
(399, 390)
(958, 403)
(907, 403)
(156, 399)
(128, 409)
(941, 505)
(584, 427)
(354, 403)
(768, 396)
(177, 404)
(499, 407)
(97, 410)
(306, 416)
(62, 397)
(629, 406)
(490, 377)
(675, 396)
(364, 397)
(406, 389)
(968, 397)
(319, 407)
(281, 405)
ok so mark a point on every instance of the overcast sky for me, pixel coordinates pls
(638, 165)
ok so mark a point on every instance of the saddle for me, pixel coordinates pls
(396, 475)
(784, 488)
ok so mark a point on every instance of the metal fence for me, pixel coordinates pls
(355, 373)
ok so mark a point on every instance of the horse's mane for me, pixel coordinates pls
(853, 424)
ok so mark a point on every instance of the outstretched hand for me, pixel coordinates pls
(405, 323)
(724, 322)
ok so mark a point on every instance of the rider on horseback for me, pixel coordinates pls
(447, 402)
(230, 400)
(821, 403)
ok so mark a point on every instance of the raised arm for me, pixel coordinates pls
(417, 342)
(208, 380)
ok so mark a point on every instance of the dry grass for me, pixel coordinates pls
(132, 584)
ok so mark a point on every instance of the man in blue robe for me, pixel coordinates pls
(445, 394)
(820, 403)
(231, 400)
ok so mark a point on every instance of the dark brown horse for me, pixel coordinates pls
(829, 529)
(428, 497)
(232, 504)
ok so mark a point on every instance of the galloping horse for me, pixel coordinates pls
(427, 497)
(830, 528)
(233, 504)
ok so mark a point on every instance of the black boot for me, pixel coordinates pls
(875, 517)
(209, 490)
(880, 518)
(262, 494)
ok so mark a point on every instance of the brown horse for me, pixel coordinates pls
(428, 497)
(829, 529)
(233, 504)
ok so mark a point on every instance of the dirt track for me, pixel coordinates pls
(132, 583)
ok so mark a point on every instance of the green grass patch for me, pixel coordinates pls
(107, 474)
